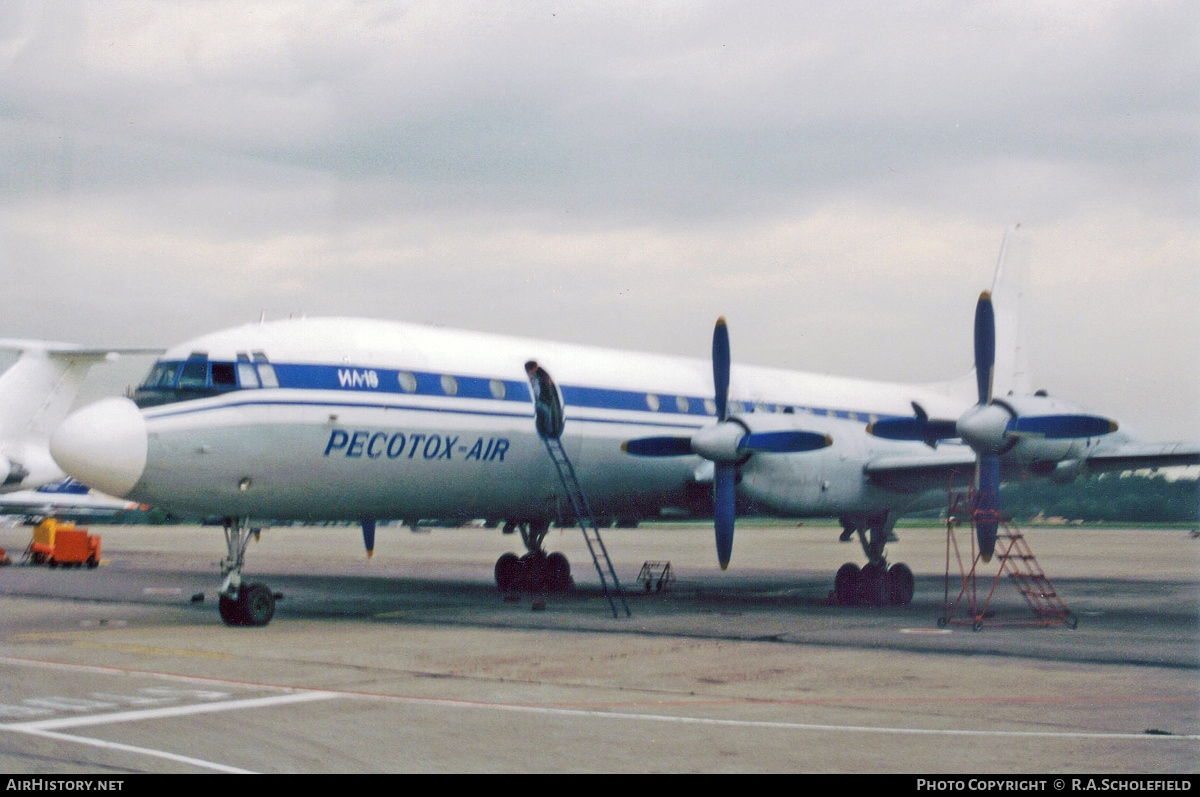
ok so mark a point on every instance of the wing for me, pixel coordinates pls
(1136, 456)
(916, 473)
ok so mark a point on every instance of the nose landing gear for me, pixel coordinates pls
(242, 604)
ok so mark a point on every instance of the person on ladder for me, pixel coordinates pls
(546, 401)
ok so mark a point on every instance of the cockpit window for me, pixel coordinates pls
(194, 374)
(266, 372)
(193, 378)
(223, 375)
(247, 376)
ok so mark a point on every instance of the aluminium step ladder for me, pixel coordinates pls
(591, 530)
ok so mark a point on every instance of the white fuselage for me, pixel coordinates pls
(358, 419)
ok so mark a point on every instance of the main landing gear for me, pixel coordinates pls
(875, 583)
(238, 603)
(536, 571)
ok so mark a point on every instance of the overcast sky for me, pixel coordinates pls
(834, 178)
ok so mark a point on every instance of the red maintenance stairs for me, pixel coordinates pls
(1017, 562)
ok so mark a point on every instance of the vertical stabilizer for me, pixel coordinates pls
(36, 393)
(1010, 296)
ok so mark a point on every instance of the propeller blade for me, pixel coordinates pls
(721, 358)
(658, 446)
(985, 346)
(921, 429)
(987, 507)
(1060, 427)
(786, 442)
(724, 509)
(368, 527)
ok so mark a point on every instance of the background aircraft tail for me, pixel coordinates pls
(1010, 298)
(36, 393)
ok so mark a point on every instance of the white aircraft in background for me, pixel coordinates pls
(64, 499)
(323, 419)
(36, 393)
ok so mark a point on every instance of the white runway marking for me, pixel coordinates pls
(795, 726)
(84, 740)
(48, 728)
(170, 711)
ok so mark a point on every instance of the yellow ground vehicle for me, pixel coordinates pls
(57, 543)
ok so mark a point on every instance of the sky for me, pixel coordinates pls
(833, 178)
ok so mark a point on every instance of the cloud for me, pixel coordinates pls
(835, 178)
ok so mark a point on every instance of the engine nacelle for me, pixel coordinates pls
(1032, 428)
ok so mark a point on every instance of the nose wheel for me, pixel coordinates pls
(254, 605)
(242, 604)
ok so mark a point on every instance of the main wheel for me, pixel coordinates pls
(258, 604)
(508, 573)
(558, 573)
(536, 575)
(845, 584)
(870, 585)
(900, 585)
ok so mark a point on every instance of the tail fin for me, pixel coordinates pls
(37, 391)
(1010, 298)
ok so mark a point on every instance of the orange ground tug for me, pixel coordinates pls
(60, 543)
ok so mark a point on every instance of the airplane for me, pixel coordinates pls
(36, 393)
(368, 420)
(64, 499)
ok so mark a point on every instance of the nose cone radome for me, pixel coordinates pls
(103, 445)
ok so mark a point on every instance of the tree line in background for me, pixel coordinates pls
(1117, 498)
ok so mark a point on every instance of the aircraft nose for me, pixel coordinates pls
(103, 445)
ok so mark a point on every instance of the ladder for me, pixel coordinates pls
(1016, 561)
(591, 531)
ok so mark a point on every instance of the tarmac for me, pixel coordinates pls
(412, 661)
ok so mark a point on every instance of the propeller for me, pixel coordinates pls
(727, 444)
(994, 426)
(987, 466)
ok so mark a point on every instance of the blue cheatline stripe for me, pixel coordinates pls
(392, 381)
(157, 412)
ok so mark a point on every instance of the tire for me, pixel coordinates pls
(845, 584)
(258, 604)
(871, 585)
(230, 610)
(508, 572)
(558, 572)
(535, 574)
(900, 585)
